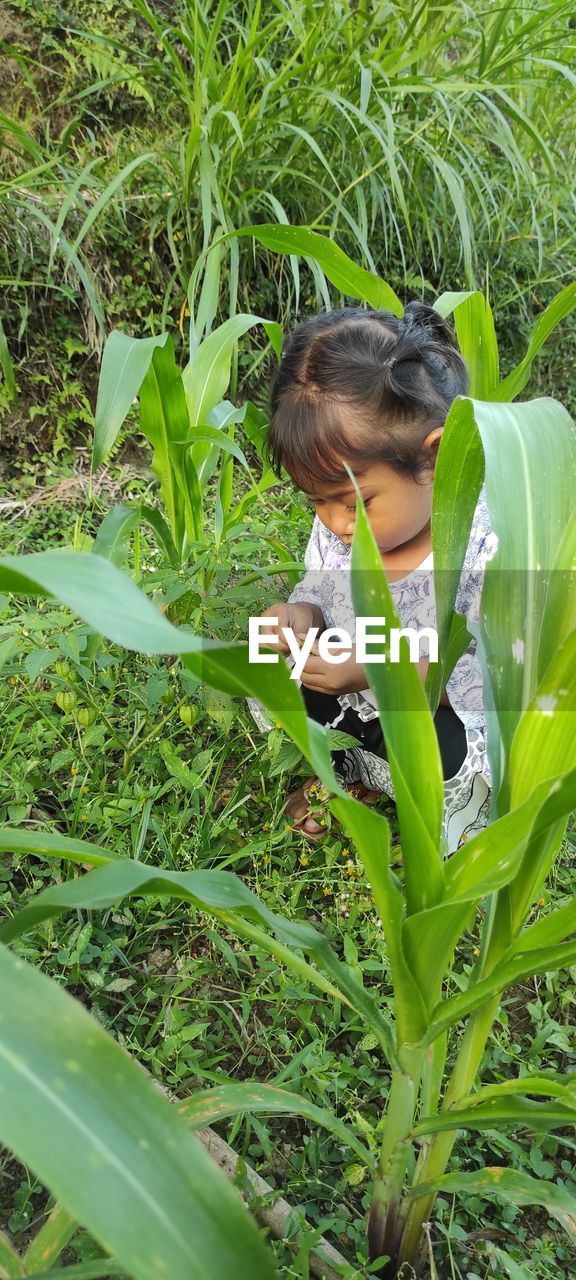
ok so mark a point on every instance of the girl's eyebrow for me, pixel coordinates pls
(342, 493)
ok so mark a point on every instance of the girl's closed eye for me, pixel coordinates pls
(367, 502)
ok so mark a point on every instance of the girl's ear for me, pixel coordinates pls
(432, 440)
(429, 447)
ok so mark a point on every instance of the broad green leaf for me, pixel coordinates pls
(559, 619)
(164, 421)
(99, 1270)
(515, 966)
(49, 1242)
(125, 363)
(11, 1266)
(552, 1085)
(558, 309)
(544, 744)
(536, 444)
(493, 857)
(408, 729)
(428, 941)
(539, 1117)
(207, 373)
(371, 835)
(517, 1188)
(253, 1098)
(217, 892)
(47, 845)
(113, 537)
(111, 603)
(350, 279)
(133, 1174)
(477, 342)
(153, 516)
(458, 477)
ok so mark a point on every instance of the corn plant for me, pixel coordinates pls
(432, 1050)
(122, 1160)
(190, 427)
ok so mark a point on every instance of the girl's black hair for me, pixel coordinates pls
(363, 386)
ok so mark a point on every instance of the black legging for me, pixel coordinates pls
(451, 734)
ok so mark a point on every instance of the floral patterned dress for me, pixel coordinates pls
(327, 583)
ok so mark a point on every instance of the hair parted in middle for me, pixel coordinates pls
(363, 387)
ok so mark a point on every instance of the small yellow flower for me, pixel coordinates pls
(85, 791)
(345, 853)
(83, 817)
(277, 725)
(73, 770)
(326, 891)
(541, 902)
(475, 951)
(265, 826)
(13, 680)
(304, 859)
(463, 838)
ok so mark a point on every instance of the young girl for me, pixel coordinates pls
(369, 389)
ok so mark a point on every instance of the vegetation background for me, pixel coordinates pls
(436, 144)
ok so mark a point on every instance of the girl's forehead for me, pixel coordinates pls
(376, 475)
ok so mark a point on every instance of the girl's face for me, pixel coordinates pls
(397, 506)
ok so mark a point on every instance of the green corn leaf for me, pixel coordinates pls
(408, 728)
(114, 606)
(253, 1098)
(544, 744)
(517, 1188)
(371, 835)
(350, 279)
(125, 363)
(478, 345)
(552, 1085)
(534, 442)
(498, 1113)
(153, 517)
(219, 893)
(458, 477)
(547, 932)
(99, 1270)
(164, 421)
(112, 540)
(558, 309)
(559, 620)
(512, 969)
(49, 1242)
(133, 1174)
(46, 845)
(207, 373)
(11, 1266)
(492, 859)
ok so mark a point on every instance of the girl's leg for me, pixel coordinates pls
(326, 710)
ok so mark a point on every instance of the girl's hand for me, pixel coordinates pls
(334, 678)
(300, 617)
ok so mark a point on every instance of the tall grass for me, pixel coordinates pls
(434, 139)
